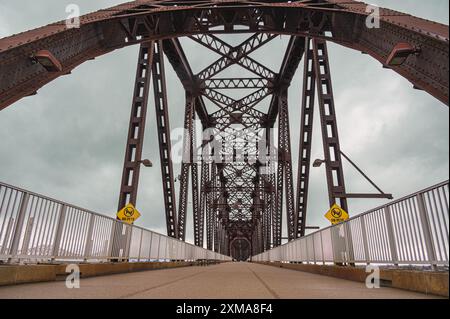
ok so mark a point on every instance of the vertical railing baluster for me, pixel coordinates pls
(88, 245)
(321, 246)
(364, 239)
(426, 227)
(19, 226)
(391, 235)
(140, 245)
(111, 241)
(314, 248)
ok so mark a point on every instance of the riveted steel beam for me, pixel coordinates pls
(165, 149)
(343, 22)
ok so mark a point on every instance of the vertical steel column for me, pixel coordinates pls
(278, 213)
(197, 219)
(273, 206)
(210, 209)
(268, 217)
(288, 175)
(162, 121)
(136, 130)
(227, 244)
(265, 214)
(256, 204)
(209, 234)
(330, 137)
(284, 170)
(203, 198)
(216, 224)
(222, 201)
(253, 248)
(187, 160)
(306, 130)
(135, 142)
(223, 239)
(260, 238)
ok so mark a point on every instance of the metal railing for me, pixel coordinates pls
(413, 230)
(36, 228)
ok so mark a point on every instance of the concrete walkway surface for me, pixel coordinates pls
(223, 281)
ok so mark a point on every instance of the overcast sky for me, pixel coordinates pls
(68, 141)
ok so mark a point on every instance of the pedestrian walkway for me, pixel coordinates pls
(223, 281)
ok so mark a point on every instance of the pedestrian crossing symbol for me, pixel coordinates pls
(336, 214)
(129, 214)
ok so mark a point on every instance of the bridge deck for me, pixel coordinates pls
(228, 281)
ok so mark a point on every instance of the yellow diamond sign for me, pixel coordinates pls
(128, 214)
(336, 214)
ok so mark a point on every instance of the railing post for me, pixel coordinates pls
(364, 238)
(314, 248)
(111, 241)
(159, 246)
(27, 235)
(150, 247)
(349, 243)
(140, 245)
(9, 230)
(307, 252)
(338, 244)
(332, 246)
(88, 246)
(166, 250)
(128, 233)
(59, 230)
(426, 227)
(391, 235)
(18, 227)
(321, 246)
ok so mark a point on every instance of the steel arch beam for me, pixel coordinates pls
(343, 21)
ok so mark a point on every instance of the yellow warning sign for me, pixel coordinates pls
(128, 214)
(336, 214)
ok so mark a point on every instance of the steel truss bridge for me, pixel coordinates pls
(243, 187)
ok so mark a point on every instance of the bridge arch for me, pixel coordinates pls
(343, 22)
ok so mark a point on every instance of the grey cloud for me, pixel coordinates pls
(68, 141)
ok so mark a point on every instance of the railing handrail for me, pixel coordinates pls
(103, 216)
(57, 201)
(426, 215)
(396, 201)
